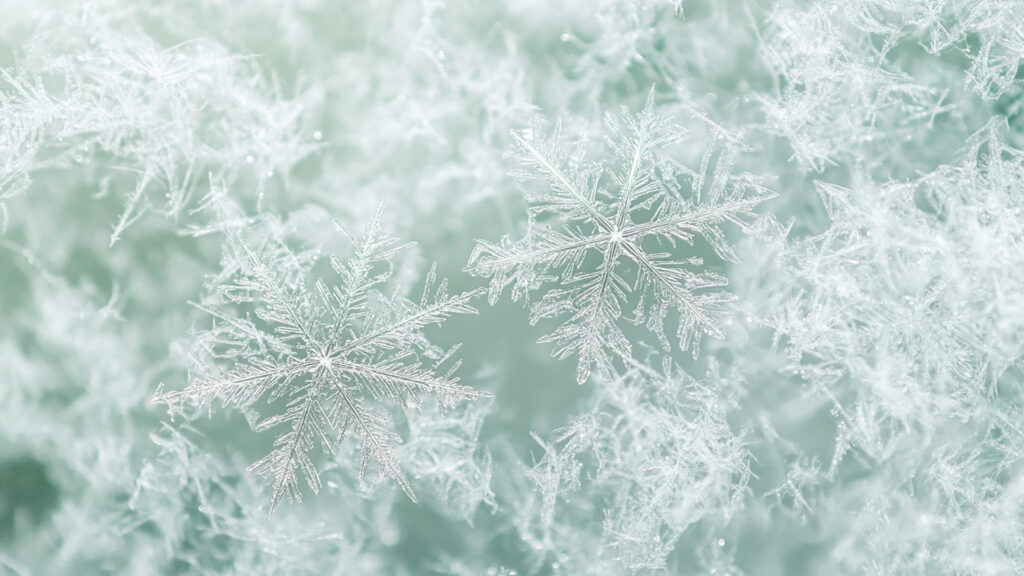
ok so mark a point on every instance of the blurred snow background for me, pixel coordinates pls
(859, 413)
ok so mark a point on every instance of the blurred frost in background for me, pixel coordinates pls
(682, 287)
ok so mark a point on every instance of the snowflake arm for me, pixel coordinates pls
(573, 191)
(309, 422)
(378, 440)
(389, 331)
(596, 303)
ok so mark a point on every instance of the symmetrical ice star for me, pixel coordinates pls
(601, 240)
(329, 356)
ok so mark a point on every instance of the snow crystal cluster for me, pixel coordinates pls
(519, 287)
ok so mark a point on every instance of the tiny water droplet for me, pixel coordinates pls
(721, 542)
(318, 135)
(565, 37)
(250, 159)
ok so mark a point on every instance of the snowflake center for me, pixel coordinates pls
(616, 236)
(325, 362)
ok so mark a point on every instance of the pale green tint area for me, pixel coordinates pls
(410, 105)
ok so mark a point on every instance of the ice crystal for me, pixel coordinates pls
(905, 296)
(654, 455)
(334, 355)
(858, 415)
(612, 238)
(157, 119)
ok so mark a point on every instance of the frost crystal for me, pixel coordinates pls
(328, 357)
(154, 120)
(860, 413)
(905, 296)
(602, 239)
(654, 456)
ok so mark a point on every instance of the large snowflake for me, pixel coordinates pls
(604, 239)
(326, 360)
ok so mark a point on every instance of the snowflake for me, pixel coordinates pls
(597, 238)
(331, 356)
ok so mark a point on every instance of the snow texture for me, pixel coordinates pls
(754, 278)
